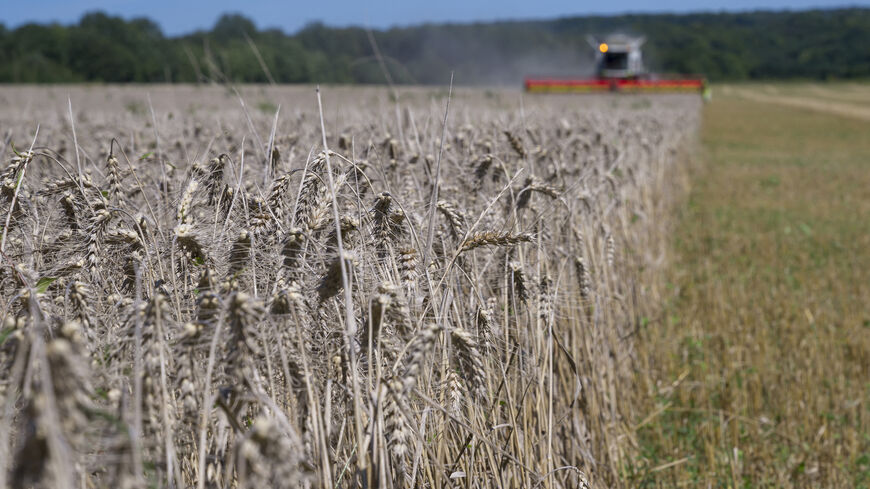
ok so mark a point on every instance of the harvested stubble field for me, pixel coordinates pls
(762, 360)
(197, 293)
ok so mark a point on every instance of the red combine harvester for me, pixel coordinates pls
(619, 68)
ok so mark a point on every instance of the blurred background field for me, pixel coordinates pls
(846, 99)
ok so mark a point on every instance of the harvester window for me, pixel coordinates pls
(615, 61)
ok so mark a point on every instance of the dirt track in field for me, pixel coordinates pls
(811, 102)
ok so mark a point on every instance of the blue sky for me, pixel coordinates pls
(181, 16)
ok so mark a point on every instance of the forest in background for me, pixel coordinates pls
(761, 45)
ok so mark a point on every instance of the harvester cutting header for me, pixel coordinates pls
(618, 68)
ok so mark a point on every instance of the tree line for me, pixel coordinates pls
(812, 44)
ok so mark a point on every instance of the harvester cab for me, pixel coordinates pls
(618, 56)
(619, 68)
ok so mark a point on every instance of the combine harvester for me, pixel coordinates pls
(619, 68)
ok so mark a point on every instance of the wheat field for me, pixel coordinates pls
(228, 288)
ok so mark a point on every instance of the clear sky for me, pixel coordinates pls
(182, 16)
